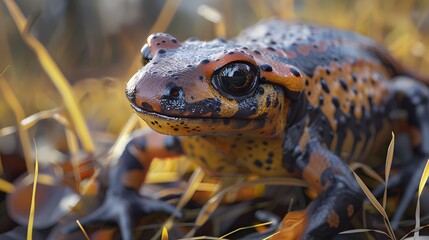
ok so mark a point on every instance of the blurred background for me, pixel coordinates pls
(96, 45)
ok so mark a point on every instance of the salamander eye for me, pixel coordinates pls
(146, 55)
(236, 79)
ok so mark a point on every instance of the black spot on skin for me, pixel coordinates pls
(205, 61)
(344, 84)
(161, 51)
(328, 72)
(158, 43)
(354, 77)
(257, 52)
(231, 53)
(147, 106)
(309, 93)
(268, 101)
(270, 154)
(335, 102)
(306, 82)
(324, 85)
(174, 40)
(276, 102)
(261, 91)
(266, 68)
(258, 163)
(320, 100)
(265, 143)
(295, 72)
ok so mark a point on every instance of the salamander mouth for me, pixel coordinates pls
(173, 125)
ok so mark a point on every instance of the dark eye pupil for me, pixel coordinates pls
(237, 79)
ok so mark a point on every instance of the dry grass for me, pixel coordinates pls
(381, 207)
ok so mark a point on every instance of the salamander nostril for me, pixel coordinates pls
(173, 92)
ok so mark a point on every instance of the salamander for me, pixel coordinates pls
(284, 99)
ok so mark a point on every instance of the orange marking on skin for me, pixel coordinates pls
(292, 226)
(304, 49)
(303, 140)
(350, 210)
(133, 179)
(317, 164)
(333, 219)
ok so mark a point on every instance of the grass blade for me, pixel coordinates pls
(389, 160)
(33, 198)
(6, 186)
(55, 74)
(83, 230)
(17, 109)
(423, 181)
(376, 204)
(363, 231)
(164, 235)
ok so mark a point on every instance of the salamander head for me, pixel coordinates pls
(214, 88)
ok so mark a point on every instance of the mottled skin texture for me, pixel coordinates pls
(316, 99)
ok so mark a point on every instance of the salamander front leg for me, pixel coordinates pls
(123, 205)
(339, 196)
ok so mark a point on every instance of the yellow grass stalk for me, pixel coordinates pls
(164, 235)
(165, 16)
(422, 184)
(161, 24)
(55, 74)
(389, 160)
(83, 230)
(367, 170)
(376, 204)
(244, 228)
(213, 15)
(121, 140)
(17, 109)
(33, 198)
(6, 186)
